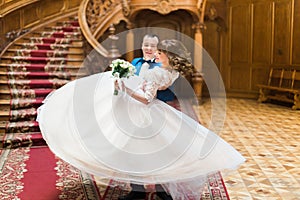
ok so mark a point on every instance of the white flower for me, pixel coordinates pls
(122, 68)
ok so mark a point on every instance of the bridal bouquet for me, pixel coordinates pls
(121, 69)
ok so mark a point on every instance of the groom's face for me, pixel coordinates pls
(149, 47)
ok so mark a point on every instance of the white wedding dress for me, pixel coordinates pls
(117, 137)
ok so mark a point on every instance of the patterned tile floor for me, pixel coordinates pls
(268, 136)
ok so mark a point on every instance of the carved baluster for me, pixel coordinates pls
(130, 42)
(113, 53)
(197, 75)
(197, 85)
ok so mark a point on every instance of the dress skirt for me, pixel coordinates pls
(117, 137)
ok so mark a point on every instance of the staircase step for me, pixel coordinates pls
(17, 140)
(34, 83)
(22, 103)
(58, 34)
(4, 113)
(38, 67)
(25, 93)
(19, 114)
(69, 23)
(51, 40)
(20, 127)
(46, 46)
(40, 59)
(64, 28)
(36, 75)
(40, 53)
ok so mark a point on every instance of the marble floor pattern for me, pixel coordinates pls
(268, 136)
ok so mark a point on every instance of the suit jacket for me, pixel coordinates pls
(163, 95)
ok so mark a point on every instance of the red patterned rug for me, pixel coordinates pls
(36, 174)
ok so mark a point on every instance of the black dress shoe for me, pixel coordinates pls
(133, 195)
(164, 196)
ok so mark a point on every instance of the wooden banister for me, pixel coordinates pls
(93, 23)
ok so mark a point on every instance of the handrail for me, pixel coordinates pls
(86, 30)
(12, 6)
(113, 13)
(25, 32)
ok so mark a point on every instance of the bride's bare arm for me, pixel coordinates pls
(137, 96)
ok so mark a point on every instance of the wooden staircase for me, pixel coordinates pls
(33, 66)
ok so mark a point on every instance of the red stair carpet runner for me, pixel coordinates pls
(34, 70)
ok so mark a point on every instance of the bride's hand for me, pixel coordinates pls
(117, 85)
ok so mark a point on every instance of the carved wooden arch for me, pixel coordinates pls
(96, 16)
(164, 7)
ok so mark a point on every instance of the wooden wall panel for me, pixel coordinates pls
(74, 3)
(262, 32)
(282, 30)
(239, 79)
(296, 35)
(211, 41)
(212, 45)
(259, 75)
(2, 36)
(56, 6)
(31, 15)
(239, 33)
(273, 37)
(12, 22)
(239, 53)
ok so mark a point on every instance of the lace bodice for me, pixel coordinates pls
(157, 78)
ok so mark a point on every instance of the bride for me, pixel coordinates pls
(134, 137)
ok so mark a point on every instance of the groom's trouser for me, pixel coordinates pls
(141, 188)
(137, 188)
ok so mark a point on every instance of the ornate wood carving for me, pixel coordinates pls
(201, 8)
(96, 10)
(213, 15)
(125, 8)
(165, 6)
(197, 81)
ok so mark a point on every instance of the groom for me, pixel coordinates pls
(149, 47)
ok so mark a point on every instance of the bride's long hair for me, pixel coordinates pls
(178, 55)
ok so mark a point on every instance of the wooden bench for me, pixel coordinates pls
(283, 85)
